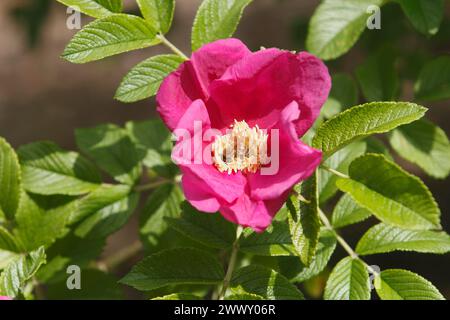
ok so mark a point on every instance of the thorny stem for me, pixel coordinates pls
(171, 46)
(231, 264)
(342, 242)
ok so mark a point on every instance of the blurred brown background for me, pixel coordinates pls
(45, 98)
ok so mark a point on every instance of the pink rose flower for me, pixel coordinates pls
(245, 95)
(5, 298)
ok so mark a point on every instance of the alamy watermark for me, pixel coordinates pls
(239, 148)
(73, 282)
(374, 20)
(73, 21)
(374, 271)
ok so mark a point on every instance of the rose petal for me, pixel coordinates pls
(195, 113)
(191, 80)
(297, 161)
(199, 194)
(256, 214)
(212, 60)
(248, 213)
(189, 153)
(315, 88)
(260, 85)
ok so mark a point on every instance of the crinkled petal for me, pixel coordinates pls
(192, 79)
(248, 213)
(199, 194)
(194, 116)
(212, 60)
(296, 161)
(222, 185)
(260, 85)
(176, 93)
(315, 88)
(256, 214)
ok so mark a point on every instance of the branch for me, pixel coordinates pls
(335, 172)
(342, 242)
(231, 264)
(172, 47)
(117, 259)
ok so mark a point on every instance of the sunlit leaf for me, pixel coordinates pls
(397, 284)
(216, 19)
(393, 195)
(108, 36)
(175, 266)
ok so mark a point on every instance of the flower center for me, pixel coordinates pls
(241, 149)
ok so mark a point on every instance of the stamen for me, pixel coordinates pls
(243, 149)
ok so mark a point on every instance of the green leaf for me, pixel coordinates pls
(324, 251)
(151, 135)
(54, 268)
(108, 36)
(424, 144)
(175, 266)
(434, 80)
(397, 284)
(113, 150)
(393, 195)
(164, 202)
(304, 223)
(275, 241)
(362, 121)
(348, 212)
(144, 79)
(216, 19)
(48, 170)
(154, 139)
(244, 296)
(95, 285)
(349, 280)
(111, 212)
(41, 220)
(426, 16)
(7, 240)
(264, 282)
(339, 161)
(6, 257)
(178, 296)
(158, 13)
(102, 197)
(378, 77)
(92, 8)
(10, 180)
(344, 94)
(115, 6)
(383, 238)
(337, 25)
(19, 271)
(210, 229)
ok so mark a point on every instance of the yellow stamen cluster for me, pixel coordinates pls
(241, 149)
